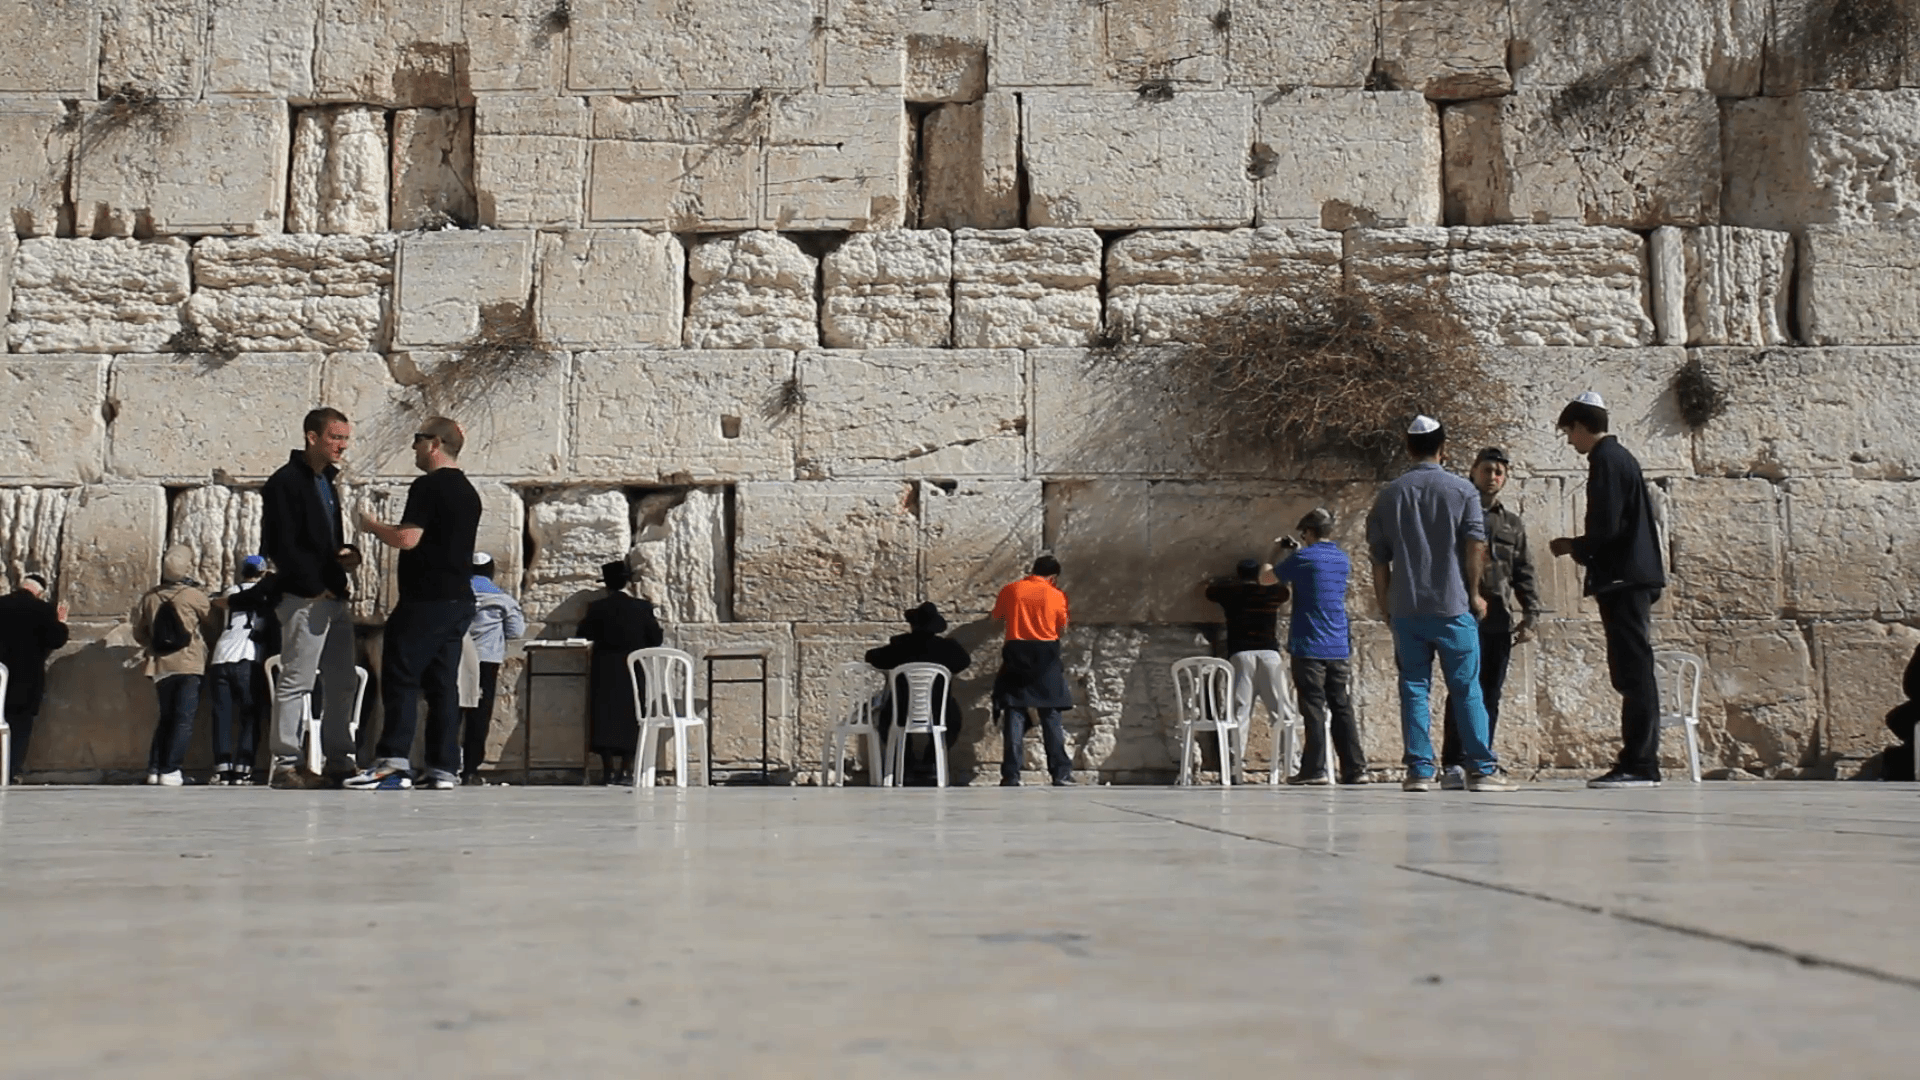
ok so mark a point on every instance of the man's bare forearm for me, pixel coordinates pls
(1383, 588)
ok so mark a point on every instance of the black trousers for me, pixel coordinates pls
(1626, 616)
(1496, 651)
(20, 722)
(479, 720)
(230, 693)
(1054, 734)
(422, 652)
(1322, 685)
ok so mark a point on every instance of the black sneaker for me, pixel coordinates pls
(1009, 781)
(1357, 778)
(1309, 779)
(1622, 777)
(1064, 781)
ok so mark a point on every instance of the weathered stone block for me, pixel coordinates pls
(339, 178)
(752, 291)
(622, 45)
(1644, 158)
(31, 523)
(99, 711)
(529, 157)
(901, 412)
(947, 50)
(1860, 667)
(610, 287)
(181, 418)
(573, 531)
(432, 169)
(846, 552)
(1726, 286)
(1851, 549)
(1165, 286)
(1836, 45)
(1123, 721)
(1812, 413)
(502, 534)
(1024, 288)
(156, 45)
(863, 44)
(443, 282)
(514, 410)
(1636, 384)
(514, 44)
(1097, 416)
(680, 417)
(1099, 529)
(400, 53)
(220, 525)
(1180, 41)
(35, 147)
(182, 168)
(734, 710)
(9, 247)
(688, 163)
(1713, 45)
(1045, 43)
(972, 173)
(1860, 285)
(261, 48)
(1124, 160)
(1339, 158)
(1196, 532)
(293, 293)
(53, 52)
(1822, 158)
(55, 430)
(681, 555)
(836, 161)
(1449, 50)
(1314, 43)
(110, 550)
(1726, 541)
(96, 295)
(889, 289)
(975, 536)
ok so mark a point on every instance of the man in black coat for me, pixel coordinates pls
(30, 630)
(617, 624)
(1621, 552)
(921, 644)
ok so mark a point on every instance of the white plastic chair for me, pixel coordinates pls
(666, 705)
(6, 734)
(309, 723)
(924, 712)
(859, 723)
(1203, 686)
(1681, 671)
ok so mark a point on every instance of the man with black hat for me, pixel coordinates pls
(30, 630)
(1509, 569)
(922, 644)
(1251, 602)
(617, 624)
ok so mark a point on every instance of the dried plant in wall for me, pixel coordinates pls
(556, 20)
(508, 343)
(1698, 394)
(1853, 44)
(191, 340)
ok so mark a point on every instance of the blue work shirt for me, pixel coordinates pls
(1420, 525)
(1318, 574)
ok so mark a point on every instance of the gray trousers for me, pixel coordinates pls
(316, 639)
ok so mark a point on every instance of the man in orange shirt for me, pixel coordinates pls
(1035, 612)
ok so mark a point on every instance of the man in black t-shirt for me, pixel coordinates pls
(1251, 602)
(422, 650)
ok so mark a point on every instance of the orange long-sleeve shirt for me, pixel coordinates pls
(1033, 608)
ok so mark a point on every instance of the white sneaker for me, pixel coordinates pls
(153, 778)
(1454, 779)
(171, 779)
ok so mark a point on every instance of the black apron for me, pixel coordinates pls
(1031, 677)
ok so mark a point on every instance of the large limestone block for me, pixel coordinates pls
(1165, 286)
(681, 556)
(96, 295)
(1723, 285)
(514, 44)
(839, 551)
(680, 417)
(690, 163)
(110, 549)
(502, 533)
(1098, 415)
(1309, 43)
(529, 157)
(909, 412)
(36, 145)
(971, 177)
(734, 709)
(573, 532)
(752, 291)
(1725, 536)
(399, 53)
(99, 711)
(9, 247)
(622, 45)
(1449, 50)
(31, 523)
(445, 282)
(55, 430)
(1045, 43)
(1123, 723)
(1128, 161)
(182, 168)
(339, 177)
(889, 289)
(1840, 45)
(1812, 413)
(432, 169)
(1822, 158)
(512, 407)
(610, 288)
(156, 45)
(183, 418)
(864, 44)
(261, 48)
(220, 525)
(1633, 158)
(1710, 45)
(1860, 285)
(976, 536)
(1339, 158)
(1025, 288)
(1197, 532)
(947, 50)
(1860, 667)
(1636, 384)
(293, 293)
(1179, 41)
(1101, 533)
(1851, 549)
(53, 50)
(836, 161)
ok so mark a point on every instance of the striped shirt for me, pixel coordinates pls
(1318, 574)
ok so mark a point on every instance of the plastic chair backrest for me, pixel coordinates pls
(858, 694)
(4, 676)
(1683, 671)
(1203, 686)
(920, 680)
(668, 674)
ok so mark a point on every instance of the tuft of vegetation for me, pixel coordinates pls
(191, 340)
(786, 399)
(556, 20)
(1698, 394)
(1221, 20)
(1854, 44)
(1155, 90)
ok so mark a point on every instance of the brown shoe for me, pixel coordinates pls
(294, 778)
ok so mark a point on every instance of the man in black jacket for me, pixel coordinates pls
(301, 530)
(922, 644)
(1621, 553)
(30, 629)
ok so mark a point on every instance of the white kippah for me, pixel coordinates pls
(481, 558)
(1422, 425)
(1591, 398)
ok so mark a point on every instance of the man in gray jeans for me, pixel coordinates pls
(301, 531)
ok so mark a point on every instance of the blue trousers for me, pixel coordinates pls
(1455, 639)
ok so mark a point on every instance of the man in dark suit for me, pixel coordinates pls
(617, 624)
(30, 630)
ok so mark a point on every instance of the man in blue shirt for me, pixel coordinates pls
(1427, 539)
(1318, 638)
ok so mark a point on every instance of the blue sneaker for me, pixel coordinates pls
(378, 778)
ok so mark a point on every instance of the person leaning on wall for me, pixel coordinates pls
(172, 623)
(30, 630)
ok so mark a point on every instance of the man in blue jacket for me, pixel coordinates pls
(497, 619)
(1321, 643)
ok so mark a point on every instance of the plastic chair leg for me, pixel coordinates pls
(6, 755)
(681, 778)
(1326, 746)
(649, 753)
(1186, 757)
(1693, 748)
(706, 759)
(939, 759)
(315, 760)
(835, 741)
(879, 773)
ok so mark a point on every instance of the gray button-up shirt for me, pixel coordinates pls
(1420, 525)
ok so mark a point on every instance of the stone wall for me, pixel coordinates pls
(807, 293)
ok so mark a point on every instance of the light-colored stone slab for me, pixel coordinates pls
(975, 536)
(432, 169)
(31, 522)
(610, 288)
(864, 44)
(184, 418)
(156, 45)
(261, 48)
(293, 292)
(1179, 41)
(1812, 413)
(1860, 667)
(1732, 285)
(947, 50)
(1165, 285)
(1667, 267)
(1643, 158)
(36, 144)
(1025, 288)
(681, 555)
(1858, 284)
(735, 709)
(53, 51)
(752, 291)
(529, 157)
(339, 178)
(1449, 50)
(96, 295)
(1045, 43)
(220, 525)
(911, 412)
(622, 45)
(836, 161)
(681, 417)
(515, 44)
(889, 289)
(573, 532)
(841, 551)
(444, 281)
(1851, 549)
(1822, 158)
(972, 170)
(1313, 43)
(689, 163)
(1339, 158)
(514, 409)
(55, 430)
(1123, 160)
(110, 548)
(400, 53)
(9, 246)
(1100, 532)
(182, 168)
(1725, 536)
(502, 534)
(1712, 45)
(1197, 532)
(1636, 384)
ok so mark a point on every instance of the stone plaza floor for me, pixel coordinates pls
(1726, 930)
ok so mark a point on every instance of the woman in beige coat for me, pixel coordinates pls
(176, 671)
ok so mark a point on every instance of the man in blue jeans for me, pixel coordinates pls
(1427, 539)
